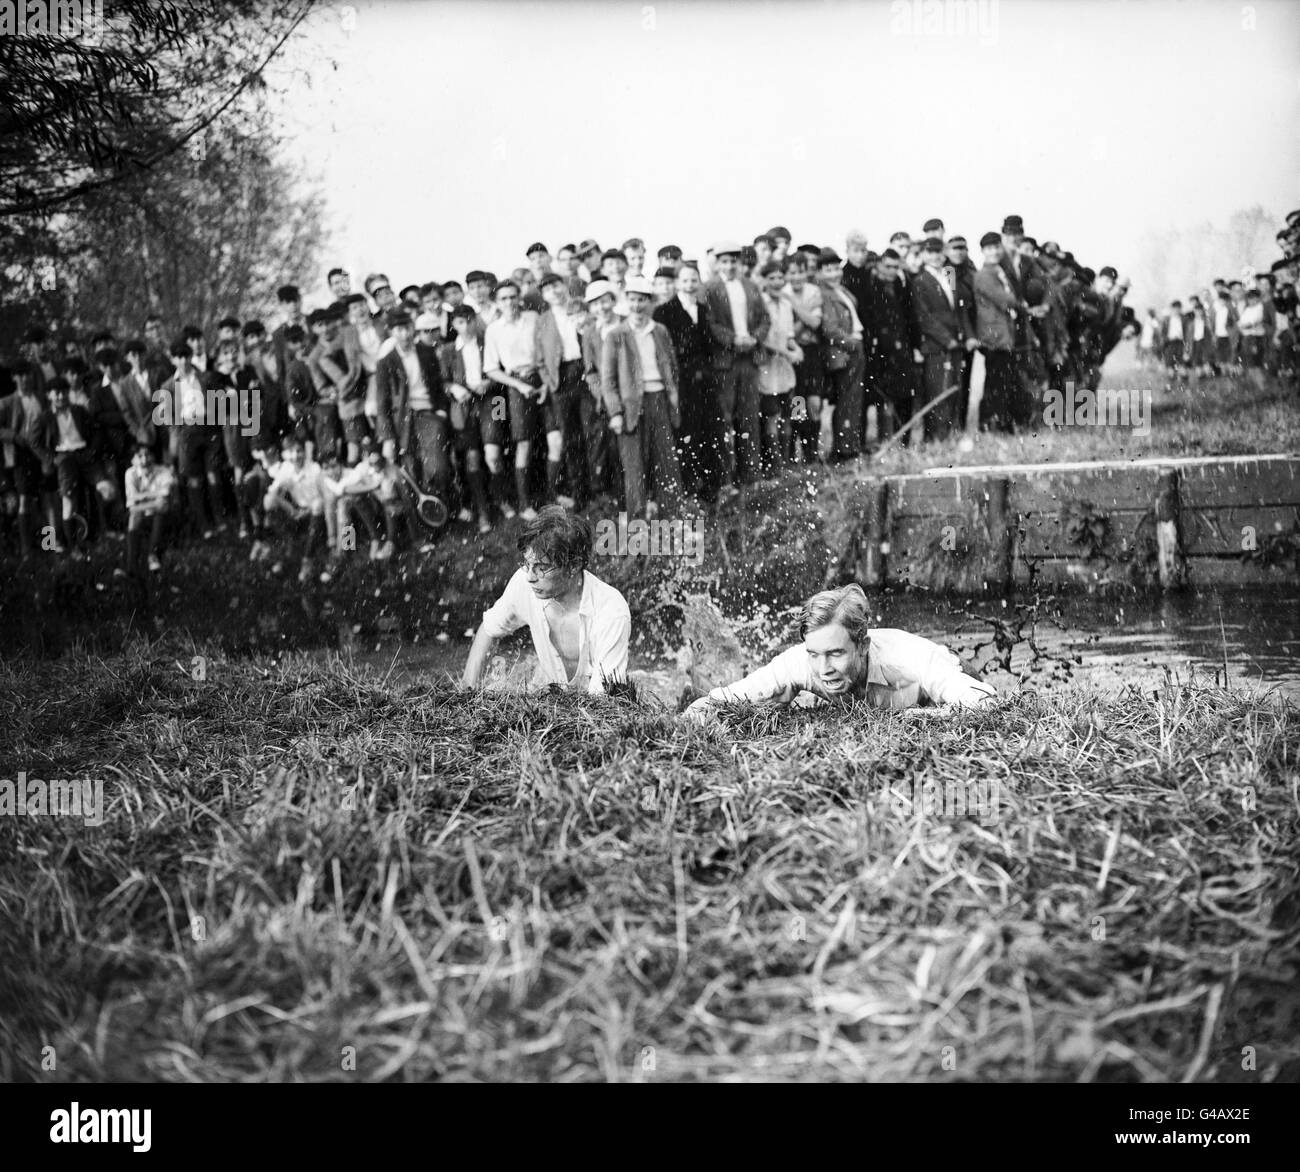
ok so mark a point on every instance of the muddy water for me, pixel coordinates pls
(1081, 640)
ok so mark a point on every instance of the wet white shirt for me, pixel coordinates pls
(902, 669)
(605, 625)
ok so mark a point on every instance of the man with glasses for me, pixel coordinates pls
(579, 624)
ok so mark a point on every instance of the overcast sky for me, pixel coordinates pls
(450, 135)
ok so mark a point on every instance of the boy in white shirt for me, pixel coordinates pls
(778, 352)
(296, 500)
(580, 625)
(148, 494)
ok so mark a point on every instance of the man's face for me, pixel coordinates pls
(404, 333)
(539, 264)
(831, 274)
(577, 315)
(153, 331)
(358, 313)
(638, 305)
(635, 260)
(857, 251)
(196, 346)
(780, 248)
(226, 358)
(913, 261)
(460, 325)
(797, 276)
(688, 281)
(226, 334)
(1104, 284)
(508, 302)
(1011, 242)
(773, 283)
(901, 243)
(933, 259)
(1264, 287)
(992, 254)
(614, 268)
(294, 456)
(427, 337)
(887, 269)
(764, 251)
(835, 661)
(544, 576)
(479, 291)
(59, 398)
(665, 289)
(340, 285)
(140, 459)
(605, 306)
(554, 293)
(431, 302)
(452, 296)
(958, 254)
(385, 298)
(591, 262)
(727, 266)
(565, 261)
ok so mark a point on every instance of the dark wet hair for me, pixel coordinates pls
(560, 537)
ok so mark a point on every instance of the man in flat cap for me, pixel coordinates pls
(739, 323)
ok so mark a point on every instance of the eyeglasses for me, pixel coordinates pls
(540, 569)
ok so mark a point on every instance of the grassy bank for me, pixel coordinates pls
(307, 872)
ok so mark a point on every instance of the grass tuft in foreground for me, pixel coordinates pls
(306, 872)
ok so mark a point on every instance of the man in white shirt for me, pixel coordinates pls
(579, 624)
(843, 660)
(560, 351)
(510, 357)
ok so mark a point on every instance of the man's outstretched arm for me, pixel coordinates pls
(480, 650)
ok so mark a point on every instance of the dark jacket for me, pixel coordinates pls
(692, 341)
(939, 322)
(719, 304)
(394, 418)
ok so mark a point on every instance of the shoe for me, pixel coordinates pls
(507, 512)
(385, 552)
(118, 572)
(278, 568)
(209, 534)
(374, 551)
(154, 564)
(528, 514)
(243, 533)
(326, 576)
(464, 515)
(484, 525)
(305, 573)
(428, 547)
(567, 501)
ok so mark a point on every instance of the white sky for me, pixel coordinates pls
(449, 135)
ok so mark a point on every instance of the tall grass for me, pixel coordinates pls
(308, 872)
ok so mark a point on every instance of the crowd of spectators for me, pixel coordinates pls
(587, 377)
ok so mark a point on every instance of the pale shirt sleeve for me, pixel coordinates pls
(491, 356)
(936, 669)
(774, 683)
(610, 632)
(507, 614)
